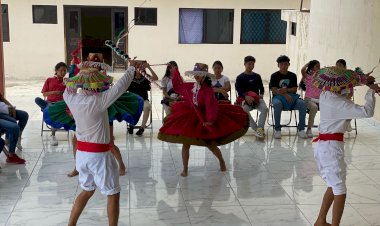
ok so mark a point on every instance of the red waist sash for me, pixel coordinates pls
(92, 147)
(333, 136)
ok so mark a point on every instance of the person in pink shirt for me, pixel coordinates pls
(312, 93)
(53, 92)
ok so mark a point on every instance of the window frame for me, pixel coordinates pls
(137, 23)
(44, 22)
(204, 28)
(6, 38)
(259, 43)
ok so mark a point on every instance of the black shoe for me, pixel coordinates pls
(140, 132)
(130, 129)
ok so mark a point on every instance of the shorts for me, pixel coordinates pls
(329, 156)
(98, 170)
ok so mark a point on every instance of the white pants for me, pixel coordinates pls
(98, 170)
(329, 156)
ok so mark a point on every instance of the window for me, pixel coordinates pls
(206, 26)
(293, 29)
(146, 16)
(4, 8)
(45, 14)
(262, 27)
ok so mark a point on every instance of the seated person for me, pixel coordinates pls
(283, 85)
(221, 84)
(170, 96)
(53, 90)
(311, 92)
(140, 86)
(12, 132)
(10, 113)
(249, 81)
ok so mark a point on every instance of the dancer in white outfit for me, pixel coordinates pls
(336, 109)
(96, 166)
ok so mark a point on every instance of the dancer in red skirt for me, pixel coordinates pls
(200, 119)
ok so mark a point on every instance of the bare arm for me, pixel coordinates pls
(51, 93)
(303, 71)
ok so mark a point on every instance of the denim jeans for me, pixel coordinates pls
(21, 118)
(277, 108)
(41, 103)
(12, 133)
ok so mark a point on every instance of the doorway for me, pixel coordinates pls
(93, 26)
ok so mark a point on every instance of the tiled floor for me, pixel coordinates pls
(270, 182)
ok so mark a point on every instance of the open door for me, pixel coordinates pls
(73, 30)
(119, 26)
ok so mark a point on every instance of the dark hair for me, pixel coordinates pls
(207, 80)
(217, 63)
(249, 59)
(283, 59)
(342, 61)
(171, 63)
(311, 65)
(58, 66)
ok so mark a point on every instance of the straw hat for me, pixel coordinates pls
(200, 69)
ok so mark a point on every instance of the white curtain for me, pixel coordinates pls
(190, 26)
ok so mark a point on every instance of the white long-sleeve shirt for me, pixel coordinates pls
(90, 111)
(335, 110)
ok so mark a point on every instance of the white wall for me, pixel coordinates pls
(34, 49)
(348, 29)
(297, 45)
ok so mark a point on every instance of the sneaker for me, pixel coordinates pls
(277, 134)
(130, 129)
(140, 132)
(53, 141)
(302, 134)
(18, 145)
(15, 159)
(309, 133)
(260, 133)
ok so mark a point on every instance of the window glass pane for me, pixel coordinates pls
(145, 16)
(218, 26)
(262, 27)
(190, 26)
(45, 14)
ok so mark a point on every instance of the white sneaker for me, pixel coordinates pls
(18, 145)
(309, 133)
(302, 134)
(260, 133)
(277, 134)
(53, 141)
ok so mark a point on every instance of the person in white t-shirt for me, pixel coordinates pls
(221, 84)
(88, 96)
(170, 97)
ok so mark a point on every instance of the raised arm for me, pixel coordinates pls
(350, 110)
(303, 72)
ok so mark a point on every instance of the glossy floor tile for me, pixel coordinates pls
(268, 182)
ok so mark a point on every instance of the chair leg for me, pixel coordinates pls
(356, 127)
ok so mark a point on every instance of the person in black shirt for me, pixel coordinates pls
(140, 86)
(251, 81)
(283, 84)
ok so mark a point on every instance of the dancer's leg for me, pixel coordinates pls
(185, 159)
(216, 151)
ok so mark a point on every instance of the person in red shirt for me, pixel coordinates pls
(53, 90)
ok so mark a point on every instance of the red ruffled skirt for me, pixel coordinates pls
(184, 126)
